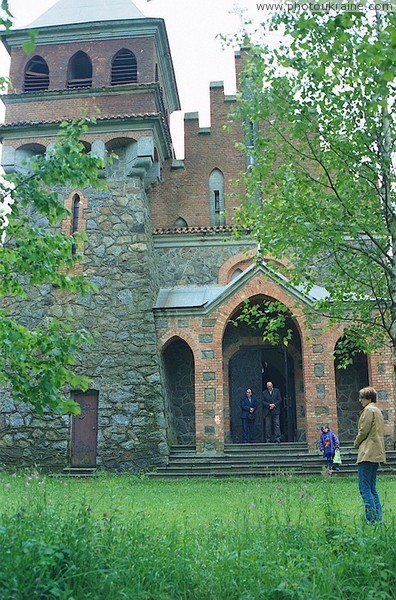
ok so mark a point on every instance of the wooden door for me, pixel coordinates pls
(245, 371)
(84, 430)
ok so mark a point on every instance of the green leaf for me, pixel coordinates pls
(29, 46)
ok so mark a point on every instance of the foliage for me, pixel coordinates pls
(6, 21)
(36, 360)
(320, 134)
(5, 15)
(270, 318)
(113, 538)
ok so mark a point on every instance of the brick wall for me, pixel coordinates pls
(101, 53)
(74, 105)
(184, 190)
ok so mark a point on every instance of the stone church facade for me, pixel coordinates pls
(167, 365)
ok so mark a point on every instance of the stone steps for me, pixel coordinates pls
(76, 472)
(258, 460)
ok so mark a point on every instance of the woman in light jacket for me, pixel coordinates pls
(371, 451)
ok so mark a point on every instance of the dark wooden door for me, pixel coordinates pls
(244, 372)
(84, 430)
(253, 366)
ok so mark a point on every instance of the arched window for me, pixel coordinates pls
(124, 68)
(180, 222)
(236, 273)
(216, 197)
(349, 381)
(24, 153)
(179, 377)
(76, 203)
(36, 75)
(75, 218)
(79, 71)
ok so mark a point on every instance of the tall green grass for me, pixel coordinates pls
(125, 537)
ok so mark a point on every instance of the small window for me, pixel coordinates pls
(79, 72)
(216, 197)
(180, 222)
(236, 273)
(217, 202)
(76, 203)
(124, 68)
(75, 218)
(36, 75)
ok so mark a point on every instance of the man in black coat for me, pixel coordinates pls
(249, 405)
(272, 401)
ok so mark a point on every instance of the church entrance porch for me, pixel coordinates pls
(249, 361)
(224, 359)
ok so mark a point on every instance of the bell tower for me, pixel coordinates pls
(103, 59)
(107, 60)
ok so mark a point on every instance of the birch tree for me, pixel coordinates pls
(320, 136)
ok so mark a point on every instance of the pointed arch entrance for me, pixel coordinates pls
(348, 383)
(254, 366)
(179, 374)
(249, 362)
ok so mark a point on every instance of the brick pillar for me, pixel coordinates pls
(319, 383)
(209, 391)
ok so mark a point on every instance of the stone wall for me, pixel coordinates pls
(122, 362)
(27, 439)
(192, 259)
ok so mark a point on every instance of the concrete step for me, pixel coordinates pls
(259, 460)
(77, 472)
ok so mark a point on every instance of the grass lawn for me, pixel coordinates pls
(244, 539)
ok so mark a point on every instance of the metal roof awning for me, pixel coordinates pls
(206, 297)
(187, 297)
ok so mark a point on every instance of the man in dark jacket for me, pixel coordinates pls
(272, 401)
(249, 405)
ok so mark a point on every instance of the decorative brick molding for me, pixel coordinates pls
(67, 224)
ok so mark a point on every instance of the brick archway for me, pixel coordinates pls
(258, 286)
(179, 385)
(248, 361)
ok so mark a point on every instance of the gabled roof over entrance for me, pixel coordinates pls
(206, 298)
(67, 12)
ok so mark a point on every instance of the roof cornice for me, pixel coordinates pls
(68, 33)
(197, 237)
(116, 124)
(113, 90)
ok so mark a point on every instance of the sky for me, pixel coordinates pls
(198, 57)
